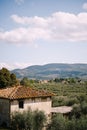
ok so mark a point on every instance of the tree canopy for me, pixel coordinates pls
(7, 78)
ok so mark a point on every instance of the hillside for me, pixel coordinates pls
(53, 70)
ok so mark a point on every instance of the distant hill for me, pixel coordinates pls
(54, 70)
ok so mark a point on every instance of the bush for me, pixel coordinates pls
(72, 101)
(81, 123)
(39, 119)
(61, 123)
(71, 124)
(77, 124)
(84, 108)
(17, 121)
(76, 111)
(57, 123)
(28, 120)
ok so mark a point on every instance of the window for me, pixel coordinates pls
(44, 99)
(21, 104)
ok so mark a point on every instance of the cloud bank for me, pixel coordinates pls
(60, 26)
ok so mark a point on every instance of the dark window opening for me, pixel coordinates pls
(21, 104)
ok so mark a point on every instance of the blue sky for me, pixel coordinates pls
(37, 32)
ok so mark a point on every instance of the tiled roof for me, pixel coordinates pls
(23, 92)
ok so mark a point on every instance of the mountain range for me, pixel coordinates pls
(51, 71)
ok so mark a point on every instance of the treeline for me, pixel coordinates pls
(9, 79)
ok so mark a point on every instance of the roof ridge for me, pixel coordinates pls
(14, 91)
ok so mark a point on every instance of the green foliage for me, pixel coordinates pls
(7, 79)
(66, 93)
(59, 101)
(58, 80)
(71, 101)
(79, 110)
(81, 124)
(28, 120)
(39, 120)
(64, 101)
(76, 112)
(84, 107)
(82, 97)
(17, 121)
(4, 77)
(71, 124)
(74, 124)
(57, 123)
(27, 82)
(71, 80)
(13, 79)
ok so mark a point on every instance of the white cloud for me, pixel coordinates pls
(84, 6)
(59, 26)
(33, 21)
(24, 35)
(19, 2)
(16, 65)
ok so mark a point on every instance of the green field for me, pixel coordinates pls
(66, 93)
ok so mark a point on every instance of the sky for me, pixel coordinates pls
(38, 32)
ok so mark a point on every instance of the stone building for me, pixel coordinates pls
(21, 99)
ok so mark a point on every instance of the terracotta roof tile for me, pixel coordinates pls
(23, 92)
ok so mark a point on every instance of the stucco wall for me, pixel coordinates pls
(43, 104)
(4, 112)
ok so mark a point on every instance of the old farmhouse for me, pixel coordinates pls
(22, 98)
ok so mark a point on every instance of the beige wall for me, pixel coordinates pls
(7, 107)
(4, 111)
(43, 104)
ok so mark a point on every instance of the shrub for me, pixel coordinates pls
(17, 121)
(39, 119)
(84, 108)
(72, 101)
(71, 124)
(76, 111)
(28, 120)
(57, 123)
